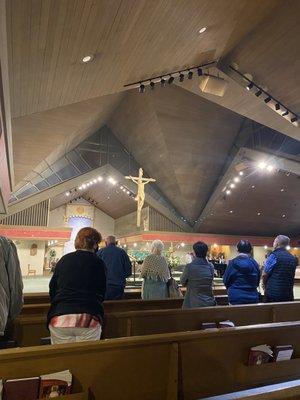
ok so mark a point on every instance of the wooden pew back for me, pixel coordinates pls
(207, 363)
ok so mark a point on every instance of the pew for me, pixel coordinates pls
(29, 329)
(136, 323)
(182, 365)
(42, 298)
(281, 391)
(123, 305)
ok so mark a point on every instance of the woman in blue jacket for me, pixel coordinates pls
(242, 276)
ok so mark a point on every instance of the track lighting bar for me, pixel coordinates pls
(181, 74)
(259, 91)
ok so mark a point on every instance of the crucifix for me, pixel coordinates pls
(140, 197)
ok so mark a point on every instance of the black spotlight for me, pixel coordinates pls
(268, 99)
(285, 113)
(181, 77)
(152, 85)
(163, 82)
(190, 74)
(258, 93)
(277, 106)
(294, 119)
(200, 72)
(142, 88)
(171, 80)
(250, 86)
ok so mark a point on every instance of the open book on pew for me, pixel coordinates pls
(35, 388)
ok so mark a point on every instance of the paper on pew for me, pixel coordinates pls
(263, 348)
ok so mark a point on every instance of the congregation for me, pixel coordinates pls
(83, 279)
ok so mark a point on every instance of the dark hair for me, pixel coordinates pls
(244, 246)
(86, 239)
(200, 249)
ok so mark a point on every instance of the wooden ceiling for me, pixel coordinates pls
(180, 139)
(262, 204)
(180, 136)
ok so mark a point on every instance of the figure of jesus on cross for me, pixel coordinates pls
(140, 197)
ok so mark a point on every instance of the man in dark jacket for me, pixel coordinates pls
(279, 272)
(118, 268)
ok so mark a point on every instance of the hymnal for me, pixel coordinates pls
(282, 353)
(208, 325)
(260, 355)
(55, 385)
(21, 389)
(226, 324)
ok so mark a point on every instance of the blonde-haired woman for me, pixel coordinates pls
(155, 272)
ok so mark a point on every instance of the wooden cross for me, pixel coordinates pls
(140, 197)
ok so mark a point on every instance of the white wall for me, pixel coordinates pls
(104, 223)
(57, 217)
(36, 262)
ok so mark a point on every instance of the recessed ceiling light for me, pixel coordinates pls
(270, 168)
(283, 215)
(262, 165)
(282, 190)
(232, 185)
(87, 58)
(182, 244)
(228, 191)
(202, 30)
(288, 247)
(252, 187)
(259, 213)
(241, 173)
(236, 179)
(265, 247)
(231, 211)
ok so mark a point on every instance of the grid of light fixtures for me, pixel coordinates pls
(232, 184)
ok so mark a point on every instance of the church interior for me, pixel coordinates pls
(171, 120)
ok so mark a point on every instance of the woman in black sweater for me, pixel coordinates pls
(77, 290)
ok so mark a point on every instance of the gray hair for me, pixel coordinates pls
(281, 241)
(110, 239)
(157, 247)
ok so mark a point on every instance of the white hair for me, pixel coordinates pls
(157, 247)
(281, 241)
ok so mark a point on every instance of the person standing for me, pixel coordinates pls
(77, 290)
(279, 272)
(198, 278)
(118, 268)
(11, 284)
(242, 276)
(156, 273)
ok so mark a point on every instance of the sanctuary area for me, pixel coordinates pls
(149, 199)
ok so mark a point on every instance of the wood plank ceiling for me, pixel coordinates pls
(179, 137)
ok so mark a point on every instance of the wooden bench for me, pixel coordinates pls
(185, 365)
(42, 298)
(281, 391)
(123, 305)
(29, 329)
(136, 323)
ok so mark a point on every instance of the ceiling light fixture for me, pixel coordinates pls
(202, 30)
(241, 173)
(277, 106)
(232, 185)
(171, 80)
(285, 113)
(294, 119)
(236, 179)
(258, 93)
(252, 187)
(182, 244)
(163, 82)
(282, 190)
(152, 85)
(100, 179)
(199, 71)
(250, 86)
(288, 247)
(228, 191)
(190, 74)
(270, 168)
(142, 88)
(265, 247)
(68, 194)
(87, 58)
(259, 213)
(231, 211)
(262, 165)
(268, 99)
(283, 215)
(181, 77)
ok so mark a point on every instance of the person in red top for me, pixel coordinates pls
(77, 290)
